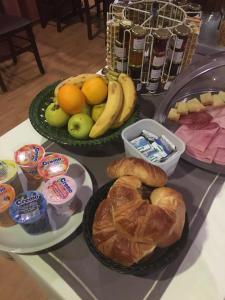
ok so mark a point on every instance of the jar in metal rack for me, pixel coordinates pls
(120, 49)
(182, 32)
(135, 74)
(121, 65)
(125, 24)
(138, 34)
(153, 85)
(161, 37)
(158, 60)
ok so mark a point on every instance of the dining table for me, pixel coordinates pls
(68, 270)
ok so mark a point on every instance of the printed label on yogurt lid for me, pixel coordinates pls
(53, 165)
(29, 155)
(60, 189)
(28, 207)
(7, 195)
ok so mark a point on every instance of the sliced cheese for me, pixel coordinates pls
(194, 105)
(222, 95)
(173, 115)
(182, 108)
(206, 99)
(218, 101)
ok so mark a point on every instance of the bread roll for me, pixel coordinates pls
(148, 174)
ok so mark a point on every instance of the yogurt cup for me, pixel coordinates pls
(53, 165)
(8, 171)
(60, 192)
(7, 196)
(29, 210)
(28, 157)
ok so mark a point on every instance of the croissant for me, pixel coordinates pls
(128, 227)
(146, 172)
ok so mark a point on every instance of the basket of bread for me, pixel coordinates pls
(135, 224)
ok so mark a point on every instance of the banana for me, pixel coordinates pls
(77, 80)
(113, 106)
(129, 101)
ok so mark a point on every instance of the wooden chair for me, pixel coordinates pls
(96, 5)
(58, 10)
(14, 31)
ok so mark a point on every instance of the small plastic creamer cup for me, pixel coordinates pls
(7, 196)
(53, 165)
(29, 209)
(8, 171)
(28, 157)
(60, 192)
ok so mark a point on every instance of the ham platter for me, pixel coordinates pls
(199, 120)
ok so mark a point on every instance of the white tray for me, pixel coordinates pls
(16, 239)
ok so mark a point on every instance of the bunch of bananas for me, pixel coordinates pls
(120, 103)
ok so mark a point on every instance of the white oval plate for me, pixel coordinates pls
(16, 239)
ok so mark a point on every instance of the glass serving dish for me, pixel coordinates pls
(208, 74)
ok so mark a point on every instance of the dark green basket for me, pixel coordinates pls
(158, 260)
(61, 135)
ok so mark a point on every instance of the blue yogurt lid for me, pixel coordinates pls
(28, 207)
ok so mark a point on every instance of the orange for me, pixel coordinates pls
(71, 99)
(95, 89)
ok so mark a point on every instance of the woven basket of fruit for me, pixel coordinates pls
(88, 109)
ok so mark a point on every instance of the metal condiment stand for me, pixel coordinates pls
(152, 16)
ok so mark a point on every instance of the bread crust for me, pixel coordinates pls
(149, 174)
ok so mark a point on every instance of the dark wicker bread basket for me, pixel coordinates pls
(158, 260)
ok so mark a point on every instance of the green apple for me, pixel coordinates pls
(97, 111)
(55, 116)
(86, 109)
(79, 125)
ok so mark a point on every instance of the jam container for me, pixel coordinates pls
(193, 9)
(175, 55)
(161, 37)
(155, 73)
(7, 196)
(8, 171)
(136, 57)
(54, 164)
(158, 60)
(153, 85)
(121, 65)
(30, 211)
(182, 33)
(125, 24)
(174, 70)
(120, 51)
(135, 71)
(138, 34)
(28, 157)
(60, 192)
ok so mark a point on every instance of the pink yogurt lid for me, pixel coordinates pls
(53, 165)
(29, 155)
(60, 190)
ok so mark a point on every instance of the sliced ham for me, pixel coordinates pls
(203, 137)
(206, 156)
(196, 120)
(220, 156)
(185, 133)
